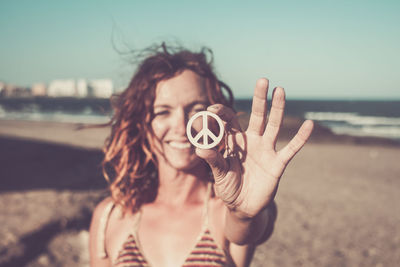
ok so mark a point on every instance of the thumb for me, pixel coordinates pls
(218, 164)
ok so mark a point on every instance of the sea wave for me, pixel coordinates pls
(386, 132)
(352, 118)
(352, 123)
(86, 117)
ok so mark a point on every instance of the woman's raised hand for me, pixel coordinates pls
(247, 175)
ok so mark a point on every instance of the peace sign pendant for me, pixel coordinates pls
(205, 132)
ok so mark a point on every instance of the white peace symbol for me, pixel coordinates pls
(205, 132)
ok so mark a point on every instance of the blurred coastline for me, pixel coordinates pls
(343, 117)
(337, 203)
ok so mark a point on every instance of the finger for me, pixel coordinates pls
(298, 141)
(218, 164)
(227, 115)
(275, 115)
(259, 108)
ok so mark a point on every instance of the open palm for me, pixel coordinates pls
(248, 174)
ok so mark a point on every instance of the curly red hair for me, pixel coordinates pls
(129, 165)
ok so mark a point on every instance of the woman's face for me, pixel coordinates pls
(177, 99)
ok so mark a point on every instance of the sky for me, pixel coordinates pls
(314, 49)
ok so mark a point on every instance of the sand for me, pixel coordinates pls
(337, 201)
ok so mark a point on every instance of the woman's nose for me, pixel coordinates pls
(179, 121)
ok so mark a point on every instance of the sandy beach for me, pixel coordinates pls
(338, 202)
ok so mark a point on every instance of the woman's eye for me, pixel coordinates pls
(195, 110)
(160, 113)
(198, 109)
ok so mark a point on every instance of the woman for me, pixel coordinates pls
(173, 204)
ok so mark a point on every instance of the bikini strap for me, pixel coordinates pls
(206, 204)
(136, 222)
(101, 244)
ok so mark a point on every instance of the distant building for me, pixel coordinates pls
(10, 90)
(39, 89)
(61, 88)
(100, 88)
(97, 88)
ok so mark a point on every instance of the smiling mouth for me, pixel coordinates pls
(179, 145)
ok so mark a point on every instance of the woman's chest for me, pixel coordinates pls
(166, 238)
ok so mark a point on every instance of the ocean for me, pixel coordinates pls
(356, 118)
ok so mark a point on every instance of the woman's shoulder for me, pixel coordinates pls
(100, 217)
(97, 229)
(103, 206)
(101, 213)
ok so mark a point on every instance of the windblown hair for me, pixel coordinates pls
(129, 164)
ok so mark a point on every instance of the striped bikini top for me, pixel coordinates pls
(206, 252)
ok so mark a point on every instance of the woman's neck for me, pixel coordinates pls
(177, 187)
